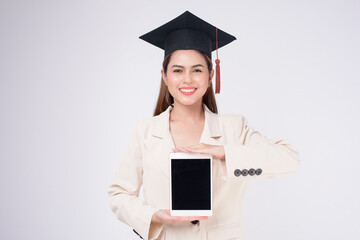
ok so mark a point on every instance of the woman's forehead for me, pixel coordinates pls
(187, 57)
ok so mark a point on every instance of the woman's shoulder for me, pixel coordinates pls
(143, 124)
(231, 118)
(226, 123)
(152, 125)
(226, 118)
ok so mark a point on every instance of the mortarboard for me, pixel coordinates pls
(188, 31)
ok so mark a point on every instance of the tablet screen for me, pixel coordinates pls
(191, 184)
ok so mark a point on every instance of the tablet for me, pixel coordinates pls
(190, 184)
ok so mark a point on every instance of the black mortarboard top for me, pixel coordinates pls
(188, 31)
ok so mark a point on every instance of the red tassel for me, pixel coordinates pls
(217, 61)
(217, 88)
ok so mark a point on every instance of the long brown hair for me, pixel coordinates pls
(165, 99)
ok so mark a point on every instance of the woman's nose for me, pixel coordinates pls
(188, 77)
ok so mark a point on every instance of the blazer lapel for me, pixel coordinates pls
(160, 125)
(213, 127)
(164, 144)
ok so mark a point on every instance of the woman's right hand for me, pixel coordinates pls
(163, 216)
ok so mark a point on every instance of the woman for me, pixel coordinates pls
(186, 120)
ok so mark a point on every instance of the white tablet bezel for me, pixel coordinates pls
(182, 155)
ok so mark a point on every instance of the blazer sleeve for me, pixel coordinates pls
(251, 152)
(124, 192)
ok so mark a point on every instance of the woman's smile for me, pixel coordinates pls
(187, 90)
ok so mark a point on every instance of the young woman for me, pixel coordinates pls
(186, 120)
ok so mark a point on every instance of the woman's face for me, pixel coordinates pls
(187, 77)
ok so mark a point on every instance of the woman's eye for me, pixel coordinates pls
(197, 70)
(177, 70)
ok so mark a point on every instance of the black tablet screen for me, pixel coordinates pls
(190, 184)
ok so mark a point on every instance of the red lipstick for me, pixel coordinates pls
(187, 90)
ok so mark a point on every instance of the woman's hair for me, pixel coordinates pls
(165, 99)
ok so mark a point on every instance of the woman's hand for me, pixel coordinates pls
(217, 151)
(163, 216)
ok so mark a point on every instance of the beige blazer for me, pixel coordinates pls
(145, 163)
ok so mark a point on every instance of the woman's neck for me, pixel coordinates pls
(186, 113)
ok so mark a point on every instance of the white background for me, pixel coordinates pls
(74, 79)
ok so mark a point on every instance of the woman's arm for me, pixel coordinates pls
(251, 150)
(124, 192)
(251, 154)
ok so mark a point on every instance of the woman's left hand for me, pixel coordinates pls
(217, 151)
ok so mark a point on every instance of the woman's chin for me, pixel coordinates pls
(188, 102)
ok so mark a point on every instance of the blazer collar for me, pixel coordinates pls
(161, 127)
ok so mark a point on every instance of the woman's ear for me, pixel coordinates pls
(163, 76)
(211, 76)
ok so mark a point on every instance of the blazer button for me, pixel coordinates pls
(258, 171)
(251, 172)
(244, 172)
(237, 172)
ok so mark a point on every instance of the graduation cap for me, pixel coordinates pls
(188, 31)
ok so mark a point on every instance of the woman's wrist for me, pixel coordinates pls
(222, 154)
(155, 218)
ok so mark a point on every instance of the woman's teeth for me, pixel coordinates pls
(187, 90)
